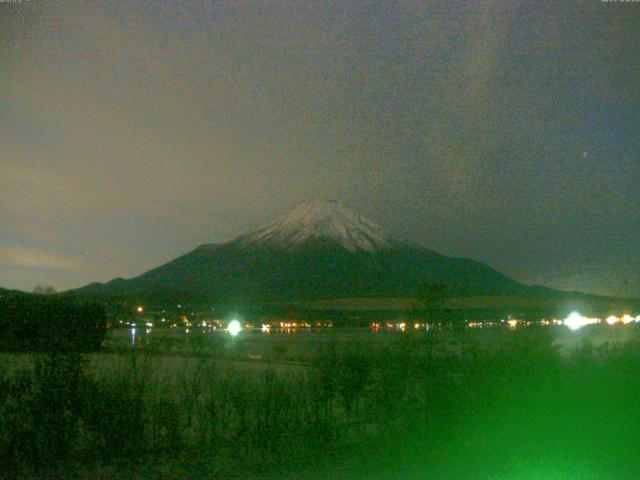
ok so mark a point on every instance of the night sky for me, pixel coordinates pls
(505, 131)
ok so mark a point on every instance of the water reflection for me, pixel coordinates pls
(136, 336)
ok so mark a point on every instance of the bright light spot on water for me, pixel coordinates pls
(234, 327)
(627, 319)
(612, 320)
(576, 321)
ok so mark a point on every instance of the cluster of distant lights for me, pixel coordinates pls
(234, 327)
(402, 326)
(575, 321)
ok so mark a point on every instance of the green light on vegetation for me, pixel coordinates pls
(552, 469)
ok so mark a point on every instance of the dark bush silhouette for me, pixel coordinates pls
(41, 323)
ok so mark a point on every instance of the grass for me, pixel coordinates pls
(500, 405)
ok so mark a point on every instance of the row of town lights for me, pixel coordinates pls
(574, 321)
(234, 327)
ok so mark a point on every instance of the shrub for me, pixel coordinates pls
(40, 323)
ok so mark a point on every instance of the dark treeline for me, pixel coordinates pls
(50, 323)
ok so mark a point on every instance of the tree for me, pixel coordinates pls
(44, 290)
(51, 324)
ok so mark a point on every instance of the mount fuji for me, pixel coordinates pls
(320, 250)
(322, 220)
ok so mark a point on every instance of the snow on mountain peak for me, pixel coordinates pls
(317, 219)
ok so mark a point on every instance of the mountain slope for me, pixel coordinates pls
(320, 250)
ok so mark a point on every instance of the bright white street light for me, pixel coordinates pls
(234, 327)
(576, 321)
(612, 320)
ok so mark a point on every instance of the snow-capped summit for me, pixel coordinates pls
(320, 250)
(322, 219)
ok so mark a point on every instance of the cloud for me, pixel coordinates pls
(24, 257)
(138, 130)
(34, 179)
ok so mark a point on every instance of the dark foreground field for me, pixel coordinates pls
(513, 408)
